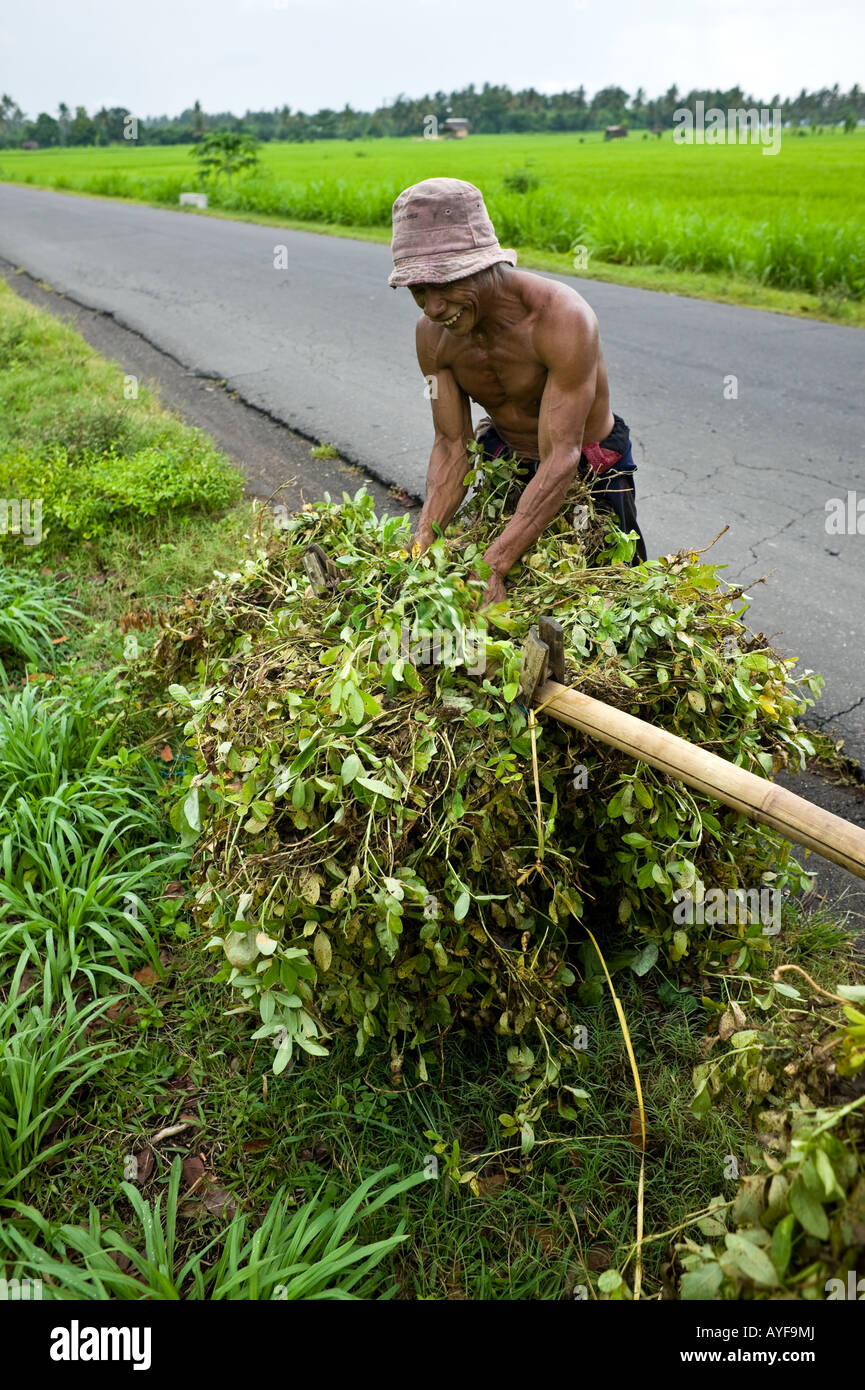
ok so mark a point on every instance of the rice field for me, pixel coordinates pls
(792, 221)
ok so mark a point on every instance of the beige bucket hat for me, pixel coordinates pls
(442, 232)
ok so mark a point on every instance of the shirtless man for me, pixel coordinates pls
(527, 350)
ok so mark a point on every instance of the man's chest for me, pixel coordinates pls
(494, 375)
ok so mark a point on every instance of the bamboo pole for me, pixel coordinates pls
(796, 819)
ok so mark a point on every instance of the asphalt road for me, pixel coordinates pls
(738, 417)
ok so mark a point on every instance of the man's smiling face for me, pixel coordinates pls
(453, 306)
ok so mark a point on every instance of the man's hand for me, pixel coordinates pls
(423, 537)
(495, 591)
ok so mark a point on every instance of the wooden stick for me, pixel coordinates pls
(320, 569)
(553, 635)
(753, 796)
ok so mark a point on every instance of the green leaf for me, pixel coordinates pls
(461, 906)
(702, 1283)
(680, 945)
(321, 949)
(782, 1244)
(350, 768)
(267, 1006)
(702, 1102)
(645, 959)
(808, 1211)
(355, 707)
(304, 758)
(372, 784)
(751, 1261)
(192, 810)
(241, 947)
(831, 1186)
(370, 703)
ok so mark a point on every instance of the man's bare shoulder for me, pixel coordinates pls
(554, 303)
(563, 322)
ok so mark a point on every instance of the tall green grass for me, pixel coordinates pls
(45, 1059)
(311, 1252)
(32, 614)
(793, 220)
(82, 847)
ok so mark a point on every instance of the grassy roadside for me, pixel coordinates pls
(150, 1093)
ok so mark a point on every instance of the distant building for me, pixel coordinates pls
(29, 144)
(455, 128)
(615, 132)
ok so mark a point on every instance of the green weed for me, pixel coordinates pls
(310, 1253)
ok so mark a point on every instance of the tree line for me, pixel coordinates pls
(491, 109)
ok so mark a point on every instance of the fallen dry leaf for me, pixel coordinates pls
(598, 1259)
(183, 1083)
(546, 1236)
(166, 754)
(146, 1162)
(255, 1146)
(146, 976)
(491, 1184)
(193, 1170)
(204, 1194)
(732, 1020)
(219, 1199)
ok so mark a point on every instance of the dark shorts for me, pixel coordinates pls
(611, 491)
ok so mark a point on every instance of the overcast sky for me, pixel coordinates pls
(157, 56)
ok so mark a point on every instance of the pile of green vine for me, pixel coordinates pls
(368, 845)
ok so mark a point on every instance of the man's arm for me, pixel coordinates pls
(452, 421)
(570, 349)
